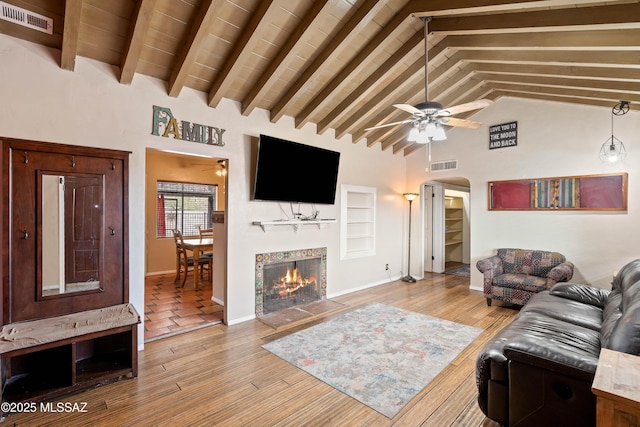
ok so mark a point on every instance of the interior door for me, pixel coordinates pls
(83, 212)
(434, 228)
(438, 229)
(428, 227)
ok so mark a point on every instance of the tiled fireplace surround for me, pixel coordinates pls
(271, 268)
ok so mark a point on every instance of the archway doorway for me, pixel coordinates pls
(446, 225)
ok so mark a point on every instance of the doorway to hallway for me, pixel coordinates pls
(446, 231)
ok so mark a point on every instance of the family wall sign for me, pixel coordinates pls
(166, 125)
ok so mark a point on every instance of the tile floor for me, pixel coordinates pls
(170, 309)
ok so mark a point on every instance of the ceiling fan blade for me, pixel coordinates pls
(461, 123)
(409, 108)
(469, 106)
(389, 124)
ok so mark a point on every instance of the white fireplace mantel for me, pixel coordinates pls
(295, 223)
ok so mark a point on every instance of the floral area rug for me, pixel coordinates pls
(380, 355)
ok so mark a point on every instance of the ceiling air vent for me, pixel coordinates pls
(26, 18)
(444, 165)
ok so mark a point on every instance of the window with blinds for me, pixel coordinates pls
(184, 206)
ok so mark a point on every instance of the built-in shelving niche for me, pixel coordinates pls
(358, 221)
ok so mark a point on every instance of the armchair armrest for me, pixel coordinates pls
(562, 272)
(491, 265)
(582, 293)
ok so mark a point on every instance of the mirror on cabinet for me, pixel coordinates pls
(72, 233)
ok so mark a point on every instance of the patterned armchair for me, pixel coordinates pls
(514, 275)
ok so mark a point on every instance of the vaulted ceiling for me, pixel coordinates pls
(342, 64)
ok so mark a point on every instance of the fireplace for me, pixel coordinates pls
(290, 278)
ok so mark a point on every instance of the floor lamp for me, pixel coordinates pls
(410, 197)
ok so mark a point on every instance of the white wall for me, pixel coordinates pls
(89, 107)
(554, 139)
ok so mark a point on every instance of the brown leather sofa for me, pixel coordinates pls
(538, 370)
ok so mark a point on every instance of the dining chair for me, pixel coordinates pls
(206, 233)
(184, 261)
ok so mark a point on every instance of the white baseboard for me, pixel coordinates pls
(241, 319)
(367, 286)
(157, 273)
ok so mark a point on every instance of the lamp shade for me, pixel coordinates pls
(613, 150)
(413, 134)
(430, 130)
(423, 138)
(410, 196)
(439, 135)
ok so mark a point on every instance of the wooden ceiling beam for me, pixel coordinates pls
(367, 87)
(344, 33)
(386, 96)
(566, 71)
(555, 57)
(71, 34)
(465, 7)
(552, 40)
(185, 57)
(565, 92)
(568, 99)
(242, 50)
(282, 59)
(620, 16)
(355, 65)
(563, 82)
(137, 34)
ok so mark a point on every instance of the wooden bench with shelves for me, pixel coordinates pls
(45, 358)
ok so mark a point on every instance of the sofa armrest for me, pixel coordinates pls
(562, 272)
(559, 359)
(491, 265)
(582, 293)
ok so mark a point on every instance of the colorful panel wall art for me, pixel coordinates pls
(585, 192)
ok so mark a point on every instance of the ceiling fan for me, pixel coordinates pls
(428, 117)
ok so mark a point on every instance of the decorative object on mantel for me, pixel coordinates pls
(582, 192)
(408, 278)
(165, 124)
(613, 149)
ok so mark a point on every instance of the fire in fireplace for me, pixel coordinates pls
(289, 279)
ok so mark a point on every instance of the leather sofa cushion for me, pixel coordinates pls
(582, 293)
(567, 310)
(575, 346)
(627, 276)
(621, 326)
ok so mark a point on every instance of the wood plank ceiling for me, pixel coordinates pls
(341, 64)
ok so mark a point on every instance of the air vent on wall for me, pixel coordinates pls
(26, 18)
(443, 165)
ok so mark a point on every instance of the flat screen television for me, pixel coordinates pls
(288, 171)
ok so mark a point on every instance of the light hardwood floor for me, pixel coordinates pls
(220, 375)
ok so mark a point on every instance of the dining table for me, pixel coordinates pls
(197, 246)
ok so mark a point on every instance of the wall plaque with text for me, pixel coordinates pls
(504, 135)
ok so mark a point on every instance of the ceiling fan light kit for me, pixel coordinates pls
(429, 117)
